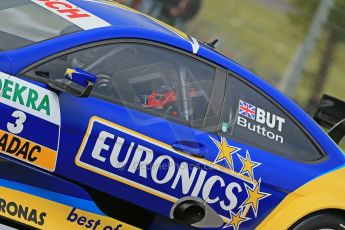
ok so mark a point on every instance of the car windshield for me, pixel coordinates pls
(24, 23)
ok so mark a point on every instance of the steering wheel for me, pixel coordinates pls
(103, 85)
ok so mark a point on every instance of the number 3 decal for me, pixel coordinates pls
(19, 125)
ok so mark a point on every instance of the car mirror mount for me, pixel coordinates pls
(65, 87)
(84, 83)
(337, 132)
(331, 115)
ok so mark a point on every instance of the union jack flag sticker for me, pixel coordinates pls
(247, 110)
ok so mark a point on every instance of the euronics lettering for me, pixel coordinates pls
(131, 158)
(163, 170)
(115, 152)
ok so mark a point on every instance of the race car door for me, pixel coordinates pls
(148, 133)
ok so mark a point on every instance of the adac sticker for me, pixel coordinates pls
(30, 122)
(72, 13)
(141, 162)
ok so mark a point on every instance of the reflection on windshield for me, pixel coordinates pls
(24, 23)
(148, 77)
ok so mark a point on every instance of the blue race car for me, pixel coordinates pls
(111, 119)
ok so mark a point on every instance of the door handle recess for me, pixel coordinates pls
(191, 148)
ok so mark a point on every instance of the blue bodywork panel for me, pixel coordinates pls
(149, 138)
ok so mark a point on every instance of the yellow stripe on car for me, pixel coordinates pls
(325, 192)
(46, 214)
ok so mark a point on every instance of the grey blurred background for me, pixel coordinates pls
(296, 45)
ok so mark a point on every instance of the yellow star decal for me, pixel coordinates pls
(254, 196)
(248, 165)
(236, 220)
(225, 152)
(69, 72)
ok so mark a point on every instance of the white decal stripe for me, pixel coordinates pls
(195, 45)
(73, 14)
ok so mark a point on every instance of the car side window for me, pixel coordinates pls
(252, 118)
(148, 77)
